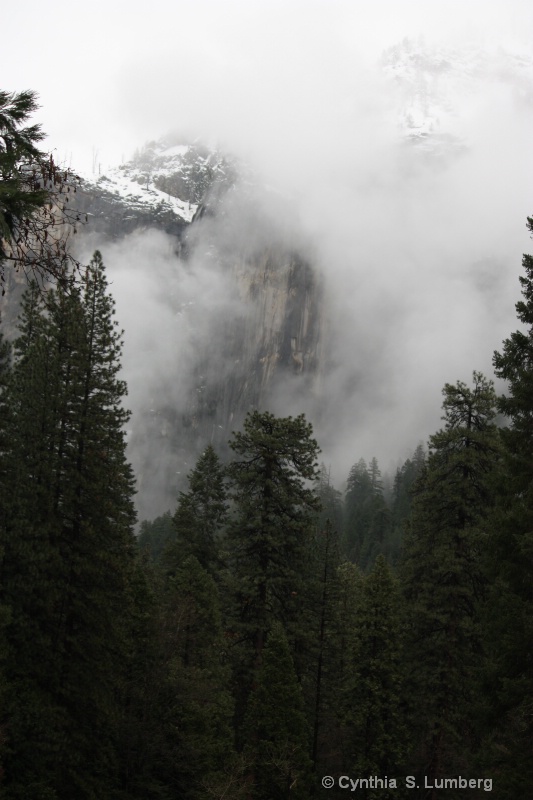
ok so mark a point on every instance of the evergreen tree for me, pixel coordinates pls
(5, 368)
(336, 753)
(155, 535)
(357, 515)
(402, 494)
(17, 144)
(68, 546)
(269, 540)
(325, 602)
(511, 542)
(404, 481)
(443, 576)
(330, 500)
(33, 218)
(372, 695)
(201, 515)
(375, 476)
(269, 545)
(276, 727)
(197, 719)
(141, 741)
(367, 517)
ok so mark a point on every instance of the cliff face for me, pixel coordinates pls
(260, 332)
(275, 336)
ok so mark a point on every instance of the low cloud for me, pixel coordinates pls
(418, 248)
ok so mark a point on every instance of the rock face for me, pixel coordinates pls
(277, 335)
(262, 333)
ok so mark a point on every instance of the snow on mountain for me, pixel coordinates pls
(164, 177)
(434, 86)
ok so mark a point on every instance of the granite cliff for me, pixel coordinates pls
(264, 332)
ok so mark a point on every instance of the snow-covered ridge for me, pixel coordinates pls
(118, 183)
(164, 176)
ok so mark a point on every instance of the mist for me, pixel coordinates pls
(418, 249)
(419, 253)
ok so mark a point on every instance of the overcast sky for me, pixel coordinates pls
(111, 74)
(421, 259)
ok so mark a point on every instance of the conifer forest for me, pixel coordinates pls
(271, 636)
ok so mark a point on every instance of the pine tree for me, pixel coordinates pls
(269, 545)
(198, 716)
(330, 500)
(276, 727)
(68, 546)
(443, 577)
(367, 517)
(324, 604)
(359, 496)
(33, 219)
(5, 368)
(337, 755)
(373, 688)
(17, 144)
(402, 493)
(201, 515)
(155, 535)
(269, 540)
(511, 563)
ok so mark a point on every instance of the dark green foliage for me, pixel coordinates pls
(141, 737)
(330, 499)
(31, 186)
(324, 604)
(269, 544)
(155, 535)
(376, 731)
(402, 495)
(357, 510)
(68, 547)
(367, 519)
(201, 515)
(443, 576)
(350, 586)
(198, 716)
(18, 146)
(276, 728)
(511, 564)
(5, 368)
(269, 539)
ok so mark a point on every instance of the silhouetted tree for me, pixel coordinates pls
(443, 575)
(35, 218)
(67, 540)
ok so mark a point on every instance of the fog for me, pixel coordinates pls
(420, 251)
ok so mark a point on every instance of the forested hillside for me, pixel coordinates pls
(269, 637)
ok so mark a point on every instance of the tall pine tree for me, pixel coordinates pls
(269, 546)
(511, 623)
(443, 577)
(372, 698)
(276, 728)
(68, 545)
(201, 515)
(270, 537)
